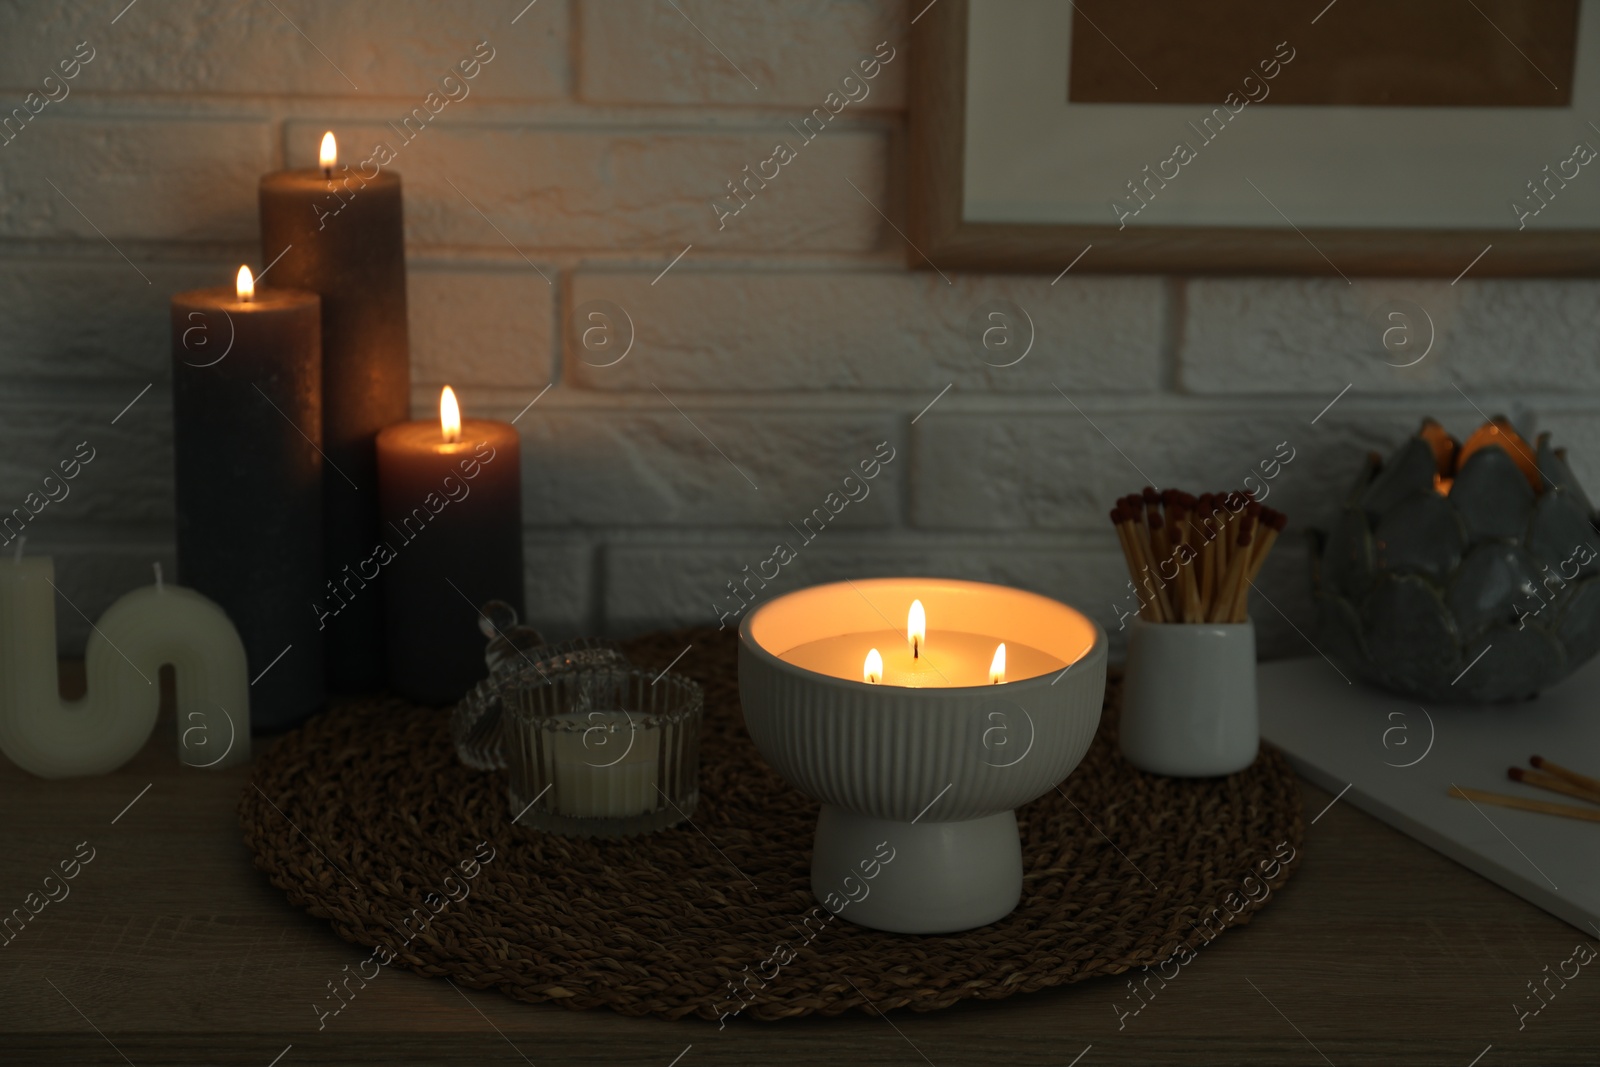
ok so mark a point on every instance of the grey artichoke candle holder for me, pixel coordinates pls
(1461, 573)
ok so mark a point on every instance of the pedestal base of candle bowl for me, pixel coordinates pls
(919, 786)
(918, 877)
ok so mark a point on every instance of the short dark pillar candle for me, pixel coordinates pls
(451, 541)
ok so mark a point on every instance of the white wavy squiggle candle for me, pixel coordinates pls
(148, 627)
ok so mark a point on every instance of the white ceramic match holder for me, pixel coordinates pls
(1189, 698)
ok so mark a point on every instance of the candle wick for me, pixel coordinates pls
(916, 649)
(159, 586)
(20, 542)
(327, 173)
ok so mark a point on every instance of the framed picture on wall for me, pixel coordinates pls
(1352, 137)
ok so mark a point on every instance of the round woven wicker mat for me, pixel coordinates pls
(361, 815)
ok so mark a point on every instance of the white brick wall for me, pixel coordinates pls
(839, 330)
(1292, 335)
(393, 48)
(490, 325)
(616, 187)
(131, 178)
(781, 348)
(647, 53)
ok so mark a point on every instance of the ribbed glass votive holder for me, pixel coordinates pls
(602, 752)
(476, 723)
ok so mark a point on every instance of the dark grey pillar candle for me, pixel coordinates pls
(247, 418)
(452, 542)
(339, 233)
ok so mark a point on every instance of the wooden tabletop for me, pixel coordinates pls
(170, 948)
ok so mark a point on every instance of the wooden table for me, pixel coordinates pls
(172, 949)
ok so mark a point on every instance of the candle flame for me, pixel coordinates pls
(917, 628)
(244, 284)
(872, 670)
(328, 157)
(449, 416)
(997, 667)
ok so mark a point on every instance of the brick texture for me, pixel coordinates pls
(641, 51)
(699, 467)
(1314, 335)
(291, 47)
(479, 327)
(772, 330)
(89, 320)
(626, 188)
(97, 179)
(558, 587)
(129, 478)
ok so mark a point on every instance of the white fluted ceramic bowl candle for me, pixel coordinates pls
(919, 781)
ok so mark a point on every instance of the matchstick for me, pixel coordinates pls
(1163, 551)
(1135, 509)
(1141, 571)
(1154, 582)
(1553, 783)
(1235, 611)
(1581, 780)
(1271, 523)
(1130, 555)
(1189, 556)
(1208, 552)
(1232, 508)
(1523, 804)
(1222, 611)
(1172, 534)
(1224, 541)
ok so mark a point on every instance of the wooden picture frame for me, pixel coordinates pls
(943, 238)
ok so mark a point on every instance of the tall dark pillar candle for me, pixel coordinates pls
(339, 232)
(452, 541)
(247, 421)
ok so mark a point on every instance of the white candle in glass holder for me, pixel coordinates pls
(606, 769)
